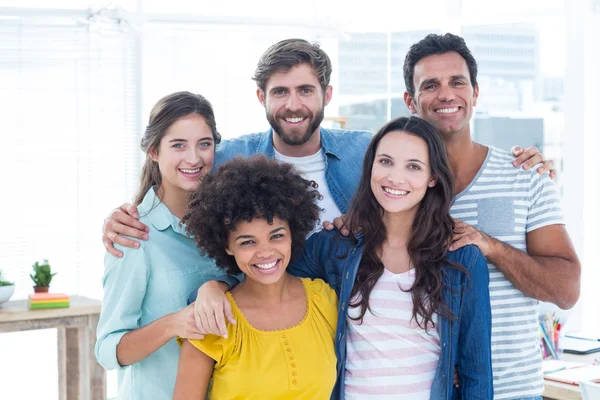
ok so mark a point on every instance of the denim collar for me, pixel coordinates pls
(328, 144)
(159, 214)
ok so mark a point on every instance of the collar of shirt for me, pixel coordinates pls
(328, 144)
(159, 214)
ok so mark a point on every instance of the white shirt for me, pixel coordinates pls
(313, 169)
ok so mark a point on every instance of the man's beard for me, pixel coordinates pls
(297, 137)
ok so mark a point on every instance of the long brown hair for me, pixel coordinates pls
(432, 228)
(165, 113)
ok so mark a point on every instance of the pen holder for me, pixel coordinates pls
(550, 337)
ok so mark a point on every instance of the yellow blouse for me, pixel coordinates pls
(294, 363)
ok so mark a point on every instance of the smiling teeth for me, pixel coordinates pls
(447, 110)
(266, 266)
(294, 120)
(396, 192)
(190, 171)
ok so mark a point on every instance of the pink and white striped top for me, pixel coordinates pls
(388, 355)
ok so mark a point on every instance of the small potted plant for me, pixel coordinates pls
(42, 276)
(6, 289)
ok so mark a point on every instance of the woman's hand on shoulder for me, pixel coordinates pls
(184, 324)
(211, 308)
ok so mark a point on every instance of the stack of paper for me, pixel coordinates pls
(48, 300)
(574, 375)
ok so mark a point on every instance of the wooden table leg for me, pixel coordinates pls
(62, 363)
(80, 377)
(69, 371)
(97, 374)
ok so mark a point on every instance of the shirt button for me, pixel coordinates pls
(286, 343)
(288, 349)
(293, 365)
(293, 373)
(291, 357)
(294, 381)
(284, 335)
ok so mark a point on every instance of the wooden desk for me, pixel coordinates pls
(80, 377)
(563, 391)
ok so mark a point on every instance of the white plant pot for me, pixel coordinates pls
(5, 293)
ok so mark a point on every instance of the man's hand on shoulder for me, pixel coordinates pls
(465, 234)
(123, 221)
(531, 156)
(338, 223)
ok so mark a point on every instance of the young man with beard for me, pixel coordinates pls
(292, 79)
(511, 214)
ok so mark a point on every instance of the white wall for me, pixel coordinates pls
(581, 177)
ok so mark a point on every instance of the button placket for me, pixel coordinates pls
(291, 360)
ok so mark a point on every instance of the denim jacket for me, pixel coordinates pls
(465, 342)
(344, 152)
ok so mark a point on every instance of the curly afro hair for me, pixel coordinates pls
(247, 188)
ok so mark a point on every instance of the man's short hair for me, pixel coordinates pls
(286, 54)
(437, 44)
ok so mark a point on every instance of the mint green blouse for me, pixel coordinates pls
(143, 286)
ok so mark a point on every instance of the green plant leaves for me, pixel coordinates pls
(42, 275)
(4, 282)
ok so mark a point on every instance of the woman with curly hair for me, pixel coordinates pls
(253, 216)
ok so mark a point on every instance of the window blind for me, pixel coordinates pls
(71, 127)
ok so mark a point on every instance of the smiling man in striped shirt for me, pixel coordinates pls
(513, 215)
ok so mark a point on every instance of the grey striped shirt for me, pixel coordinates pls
(507, 203)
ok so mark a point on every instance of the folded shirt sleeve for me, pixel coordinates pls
(125, 281)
